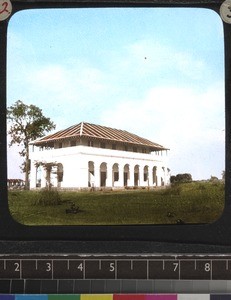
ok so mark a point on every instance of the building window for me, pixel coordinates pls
(125, 148)
(116, 176)
(134, 149)
(90, 144)
(145, 176)
(60, 145)
(144, 150)
(114, 146)
(102, 145)
(73, 143)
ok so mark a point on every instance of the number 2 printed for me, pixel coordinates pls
(4, 7)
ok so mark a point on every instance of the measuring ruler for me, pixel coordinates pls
(71, 273)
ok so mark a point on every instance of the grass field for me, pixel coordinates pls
(196, 202)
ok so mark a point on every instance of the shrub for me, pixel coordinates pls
(186, 177)
(47, 197)
(175, 190)
(213, 179)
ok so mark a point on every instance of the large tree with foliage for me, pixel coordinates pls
(27, 123)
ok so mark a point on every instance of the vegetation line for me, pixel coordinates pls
(195, 202)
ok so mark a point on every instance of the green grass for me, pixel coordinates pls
(196, 202)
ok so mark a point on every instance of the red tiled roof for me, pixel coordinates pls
(98, 132)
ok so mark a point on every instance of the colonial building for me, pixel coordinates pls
(92, 156)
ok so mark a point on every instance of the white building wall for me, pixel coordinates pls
(75, 161)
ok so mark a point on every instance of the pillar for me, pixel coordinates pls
(121, 176)
(141, 176)
(154, 176)
(159, 175)
(150, 176)
(109, 175)
(97, 174)
(43, 178)
(33, 176)
(131, 175)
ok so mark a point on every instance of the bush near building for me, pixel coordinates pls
(180, 178)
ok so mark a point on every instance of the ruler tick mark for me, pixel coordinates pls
(147, 269)
(52, 269)
(20, 268)
(84, 273)
(211, 270)
(116, 271)
(11, 286)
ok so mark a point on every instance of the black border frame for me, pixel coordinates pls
(127, 238)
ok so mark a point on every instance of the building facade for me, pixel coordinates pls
(89, 156)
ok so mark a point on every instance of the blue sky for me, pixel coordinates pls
(158, 73)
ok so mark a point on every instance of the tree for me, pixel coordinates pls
(27, 123)
(186, 177)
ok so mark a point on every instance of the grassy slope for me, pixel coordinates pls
(192, 203)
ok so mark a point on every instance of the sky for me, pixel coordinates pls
(156, 72)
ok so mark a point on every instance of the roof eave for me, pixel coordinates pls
(45, 142)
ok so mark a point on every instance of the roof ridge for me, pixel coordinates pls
(81, 129)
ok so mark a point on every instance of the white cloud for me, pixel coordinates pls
(191, 124)
(65, 93)
(150, 57)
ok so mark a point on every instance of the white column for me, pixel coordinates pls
(33, 173)
(141, 176)
(159, 175)
(131, 176)
(83, 174)
(43, 177)
(72, 173)
(164, 174)
(121, 176)
(97, 174)
(109, 175)
(54, 177)
(150, 176)
(168, 176)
